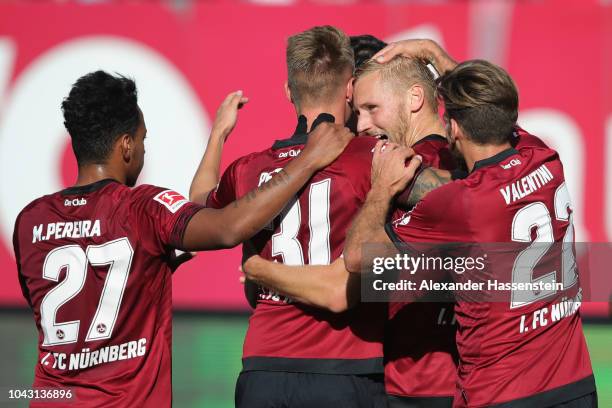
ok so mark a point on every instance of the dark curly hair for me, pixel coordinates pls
(364, 47)
(99, 108)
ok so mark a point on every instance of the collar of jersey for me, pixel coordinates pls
(88, 188)
(300, 136)
(499, 157)
(431, 138)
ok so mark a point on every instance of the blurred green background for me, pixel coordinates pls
(207, 349)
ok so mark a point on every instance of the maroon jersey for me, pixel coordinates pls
(435, 153)
(521, 139)
(524, 352)
(288, 336)
(92, 263)
(420, 350)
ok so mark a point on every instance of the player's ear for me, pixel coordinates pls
(349, 90)
(456, 132)
(416, 97)
(126, 146)
(288, 92)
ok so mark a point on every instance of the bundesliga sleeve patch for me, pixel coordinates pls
(172, 200)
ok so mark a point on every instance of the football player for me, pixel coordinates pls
(397, 100)
(94, 260)
(295, 355)
(509, 354)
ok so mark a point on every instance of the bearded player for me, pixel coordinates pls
(398, 101)
(295, 355)
(508, 357)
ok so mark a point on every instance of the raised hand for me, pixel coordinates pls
(207, 174)
(227, 114)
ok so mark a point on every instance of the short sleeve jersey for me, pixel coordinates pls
(420, 350)
(284, 335)
(93, 266)
(507, 352)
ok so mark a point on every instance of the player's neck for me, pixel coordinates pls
(312, 113)
(91, 173)
(430, 124)
(474, 153)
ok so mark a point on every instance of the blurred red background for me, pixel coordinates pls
(186, 59)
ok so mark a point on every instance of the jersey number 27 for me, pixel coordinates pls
(118, 254)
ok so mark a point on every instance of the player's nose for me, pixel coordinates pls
(363, 124)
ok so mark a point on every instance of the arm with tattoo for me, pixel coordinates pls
(427, 180)
(229, 226)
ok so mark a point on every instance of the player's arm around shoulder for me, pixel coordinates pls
(427, 180)
(244, 217)
(161, 214)
(440, 216)
(389, 175)
(329, 287)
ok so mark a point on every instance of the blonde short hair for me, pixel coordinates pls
(401, 73)
(319, 61)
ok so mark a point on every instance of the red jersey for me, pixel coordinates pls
(509, 352)
(288, 336)
(521, 139)
(92, 263)
(420, 350)
(435, 152)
